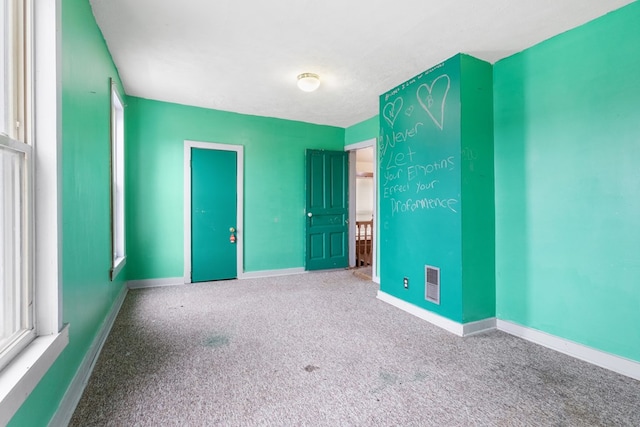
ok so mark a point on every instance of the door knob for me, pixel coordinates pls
(309, 214)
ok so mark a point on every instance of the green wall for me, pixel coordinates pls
(273, 187)
(567, 134)
(477, 186)
(88, 294)
(362, 131)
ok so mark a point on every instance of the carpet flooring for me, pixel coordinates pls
(319, 349)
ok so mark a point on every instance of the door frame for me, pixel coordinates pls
(351, 148)
(239, 149)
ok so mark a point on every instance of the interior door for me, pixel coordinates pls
(213, 214)
(327, 210)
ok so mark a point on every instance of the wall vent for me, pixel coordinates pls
(432, 284)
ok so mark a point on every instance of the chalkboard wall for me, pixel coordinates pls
(420, 181)
(436, 189)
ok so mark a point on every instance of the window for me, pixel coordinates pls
(16, 167)
(31, 332)
(117, 183)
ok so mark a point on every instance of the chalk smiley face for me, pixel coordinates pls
(428, 96)
(391, 110)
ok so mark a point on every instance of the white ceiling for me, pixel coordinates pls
(244, 55)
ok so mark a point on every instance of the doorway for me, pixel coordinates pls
(213, 211)
(362, 199)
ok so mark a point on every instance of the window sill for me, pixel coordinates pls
(20, 377)
(118, 264)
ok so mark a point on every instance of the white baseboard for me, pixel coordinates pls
(271, 273)
(154, 283)
(479, 327)
(621, 365)
(172, 281)
(79, 382)
(460, 329)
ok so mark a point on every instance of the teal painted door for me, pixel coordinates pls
(213, 213)
(327, 209)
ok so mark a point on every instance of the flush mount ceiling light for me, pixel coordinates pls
(308, 82)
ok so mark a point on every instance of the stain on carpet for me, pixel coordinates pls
(419, 376)
(581, 415)
(388, 378)
(216, 341)
(310, 368)
(385, 380)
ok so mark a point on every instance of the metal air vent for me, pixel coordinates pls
(432, 284)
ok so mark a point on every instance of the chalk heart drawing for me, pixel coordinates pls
(391, 110)
(433, 98)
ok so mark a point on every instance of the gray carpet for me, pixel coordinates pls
(320, 350)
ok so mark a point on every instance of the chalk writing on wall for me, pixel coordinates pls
(403, 178)
(433, 97)
(415, 177)
(409, 111)
(391, 110)
(411, 205)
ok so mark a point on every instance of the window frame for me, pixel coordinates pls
(18, 139)
(24, 288)
(118, 235)
(42, 79)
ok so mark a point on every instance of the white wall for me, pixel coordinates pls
(364, 185)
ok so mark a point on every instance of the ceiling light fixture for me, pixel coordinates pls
(308, 82)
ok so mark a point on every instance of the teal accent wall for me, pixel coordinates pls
(436, 188)
(362, 131)
(419, 178)
(478, 212)
(88, 294)
(274, 183)
(567, 134)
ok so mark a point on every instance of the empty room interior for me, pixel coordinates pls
(468, 169)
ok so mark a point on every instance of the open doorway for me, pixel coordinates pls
(362, 211)
(364, 207)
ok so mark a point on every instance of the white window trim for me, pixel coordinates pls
(118, 231)
(27, 333)
(118, 264)
(16, 16)
(24, 372)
